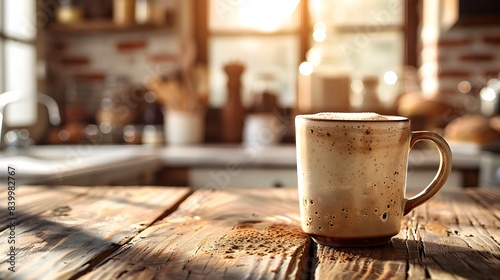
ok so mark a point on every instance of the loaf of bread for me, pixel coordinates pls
(473, 129)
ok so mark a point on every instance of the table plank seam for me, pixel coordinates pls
(171, 209)
(102, 258)
(151, 232)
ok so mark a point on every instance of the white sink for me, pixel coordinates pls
(39, 164)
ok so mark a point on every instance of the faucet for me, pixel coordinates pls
(14, 96)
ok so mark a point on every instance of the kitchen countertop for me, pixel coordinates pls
(464, 156)
(222, 155)
(73, 163)
(141, 232)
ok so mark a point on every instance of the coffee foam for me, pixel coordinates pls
(365, 116)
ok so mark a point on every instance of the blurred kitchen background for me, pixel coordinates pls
(204, 92)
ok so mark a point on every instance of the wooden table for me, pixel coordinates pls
(175, 233)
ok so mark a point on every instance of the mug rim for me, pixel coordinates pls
(388, 118)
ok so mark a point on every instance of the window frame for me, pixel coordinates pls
(408, 29)
(202, 32)
(27, 103)
(3, 39)
(411, 23)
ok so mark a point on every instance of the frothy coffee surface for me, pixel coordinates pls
(365, 116)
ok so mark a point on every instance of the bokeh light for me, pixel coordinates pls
(306, 68)
(390, 77)
(464, 87)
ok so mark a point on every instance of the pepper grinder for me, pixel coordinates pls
(233, 113)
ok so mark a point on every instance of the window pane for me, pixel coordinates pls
(20, 19)
(357, 12)
(276, 55)
(371, 53)
(353, 35)
(364, 54)
(20, 74)
(2, 16)
(261, 15)
(2, 66)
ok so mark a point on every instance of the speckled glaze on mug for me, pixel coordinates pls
(351, 171)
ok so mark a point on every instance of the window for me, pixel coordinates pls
(362, 37)
(18, 57)
(263, 35)
(371, 36)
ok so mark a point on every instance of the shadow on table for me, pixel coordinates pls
(173, 251)
(53, 249)
(426, 258)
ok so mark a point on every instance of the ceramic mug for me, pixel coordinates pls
(183, 127)
(352, 175)
(262, 130)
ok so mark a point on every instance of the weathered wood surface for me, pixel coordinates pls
(450, 237)
(140, 233)
(80, 227)
(223, 234)
(489, 198)
(32, 201)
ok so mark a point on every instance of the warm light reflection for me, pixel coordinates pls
(315, 8)
(63, 135)
(390, 77)
(315, 55)
(493, 81)
(429, 85)
(488, 94)
(464, 87)
(319, 33)
(357, 86)
(429, 34)
(306, 68)
(267, 15)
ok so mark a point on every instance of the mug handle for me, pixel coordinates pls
(442, 173)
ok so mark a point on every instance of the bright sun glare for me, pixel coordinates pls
(267, 15)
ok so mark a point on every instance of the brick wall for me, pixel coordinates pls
(93, 57)
(460, 61)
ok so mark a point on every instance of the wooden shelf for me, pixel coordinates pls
(99, 26)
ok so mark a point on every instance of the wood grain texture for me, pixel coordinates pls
(449, 237)
(75, 232)
(218, 234)
(146, 233)
(488, 197)
(34, 200)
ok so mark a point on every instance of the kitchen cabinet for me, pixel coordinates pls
(244, 177)
(254, 177)
(490, 170)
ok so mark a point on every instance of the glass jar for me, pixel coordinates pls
(69, 11)
(143, 11)
(124, 11)
(115, 110)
